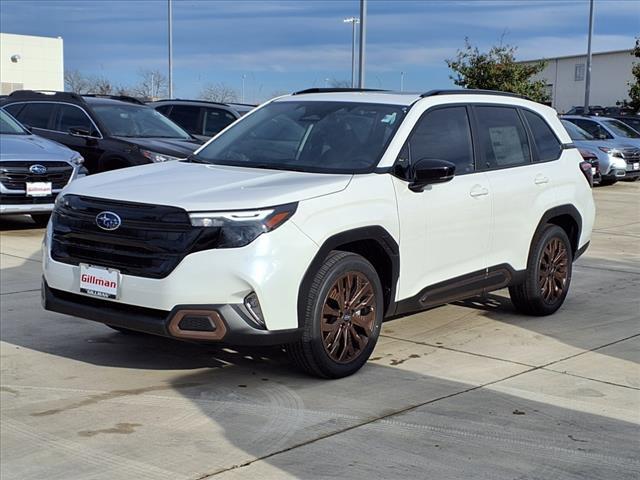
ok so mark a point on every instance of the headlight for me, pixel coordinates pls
(158, 157)
(77, 159)
(241, 227)
(611, 151)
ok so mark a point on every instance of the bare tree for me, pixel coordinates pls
(219, 92)
(279, 93)
(153, 85)
(335, 83)
(74, 81)
(100, 86)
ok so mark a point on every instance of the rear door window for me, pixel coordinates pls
(547, 145)
(36, 115)
(187, 116)
(502, 138)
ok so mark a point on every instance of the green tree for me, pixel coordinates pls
(497, 69)
(634, 86)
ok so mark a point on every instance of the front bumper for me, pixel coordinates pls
(272, 266)
(228, 324)
(25, 208)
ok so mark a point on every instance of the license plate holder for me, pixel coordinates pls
(39, 189)
(99, 282)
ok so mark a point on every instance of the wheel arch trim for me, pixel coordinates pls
(374, 233)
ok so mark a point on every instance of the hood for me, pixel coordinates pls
(618, 143)
(32, 147)
(169, 146)
(199, 187)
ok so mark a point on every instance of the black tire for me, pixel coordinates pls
(632, 179)
(40, 219)
(311, 353)
(529, 297)
(608, 181)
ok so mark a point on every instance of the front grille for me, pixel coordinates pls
(14, 175)
(631, 154)
(22, 199)
(151, 241)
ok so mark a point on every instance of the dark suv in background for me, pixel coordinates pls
(200, 118)
(110, 132)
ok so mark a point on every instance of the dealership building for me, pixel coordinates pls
(565, 78)
(29, 62)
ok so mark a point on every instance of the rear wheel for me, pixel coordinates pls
(608, 181)
(342, 317)
(548, 274)
(40, 219)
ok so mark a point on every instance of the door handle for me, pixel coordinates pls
(541, 179)
(478, 191)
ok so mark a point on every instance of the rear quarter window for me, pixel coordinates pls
(547, 145)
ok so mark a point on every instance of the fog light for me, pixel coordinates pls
(253, 306)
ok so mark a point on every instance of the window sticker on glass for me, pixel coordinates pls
(505, 142)
(390, 119)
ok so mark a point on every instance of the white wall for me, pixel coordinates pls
(40, 67)
(610, 73)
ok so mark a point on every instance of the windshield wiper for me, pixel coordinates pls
(195, 159)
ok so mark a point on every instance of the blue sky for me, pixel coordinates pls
(290, 44)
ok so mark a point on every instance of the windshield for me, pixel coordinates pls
(575, 132)
(9, 126)
(321, 137)
(621, 129)
(137, 121)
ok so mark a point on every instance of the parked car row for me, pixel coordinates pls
(614, 144)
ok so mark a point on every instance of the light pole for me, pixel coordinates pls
(353, 21)
(402, 81)
(243, 77)
(587, 83)
(170, 15)
(363, 41)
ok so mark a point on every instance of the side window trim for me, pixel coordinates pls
(55, 113)
(407, 145)
(476, 126)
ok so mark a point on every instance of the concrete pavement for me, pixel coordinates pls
(468, 390)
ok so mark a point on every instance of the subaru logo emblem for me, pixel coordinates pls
(38, 169)
(108, 221)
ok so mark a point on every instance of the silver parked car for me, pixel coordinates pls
(617, 158)
(33, 170)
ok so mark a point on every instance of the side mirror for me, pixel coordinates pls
(427, 171)
(79, 132)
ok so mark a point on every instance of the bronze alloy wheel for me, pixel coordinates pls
(348, 317)
(554, 270)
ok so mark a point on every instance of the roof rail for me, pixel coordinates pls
(49, 94)
(122, 98)
(471, 91)
(337, 90)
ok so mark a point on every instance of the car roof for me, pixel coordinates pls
(240, 107)
(408, 98)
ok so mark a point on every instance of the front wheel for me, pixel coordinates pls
(342, 317)
(548, 274)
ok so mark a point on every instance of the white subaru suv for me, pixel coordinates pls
(319, 214)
